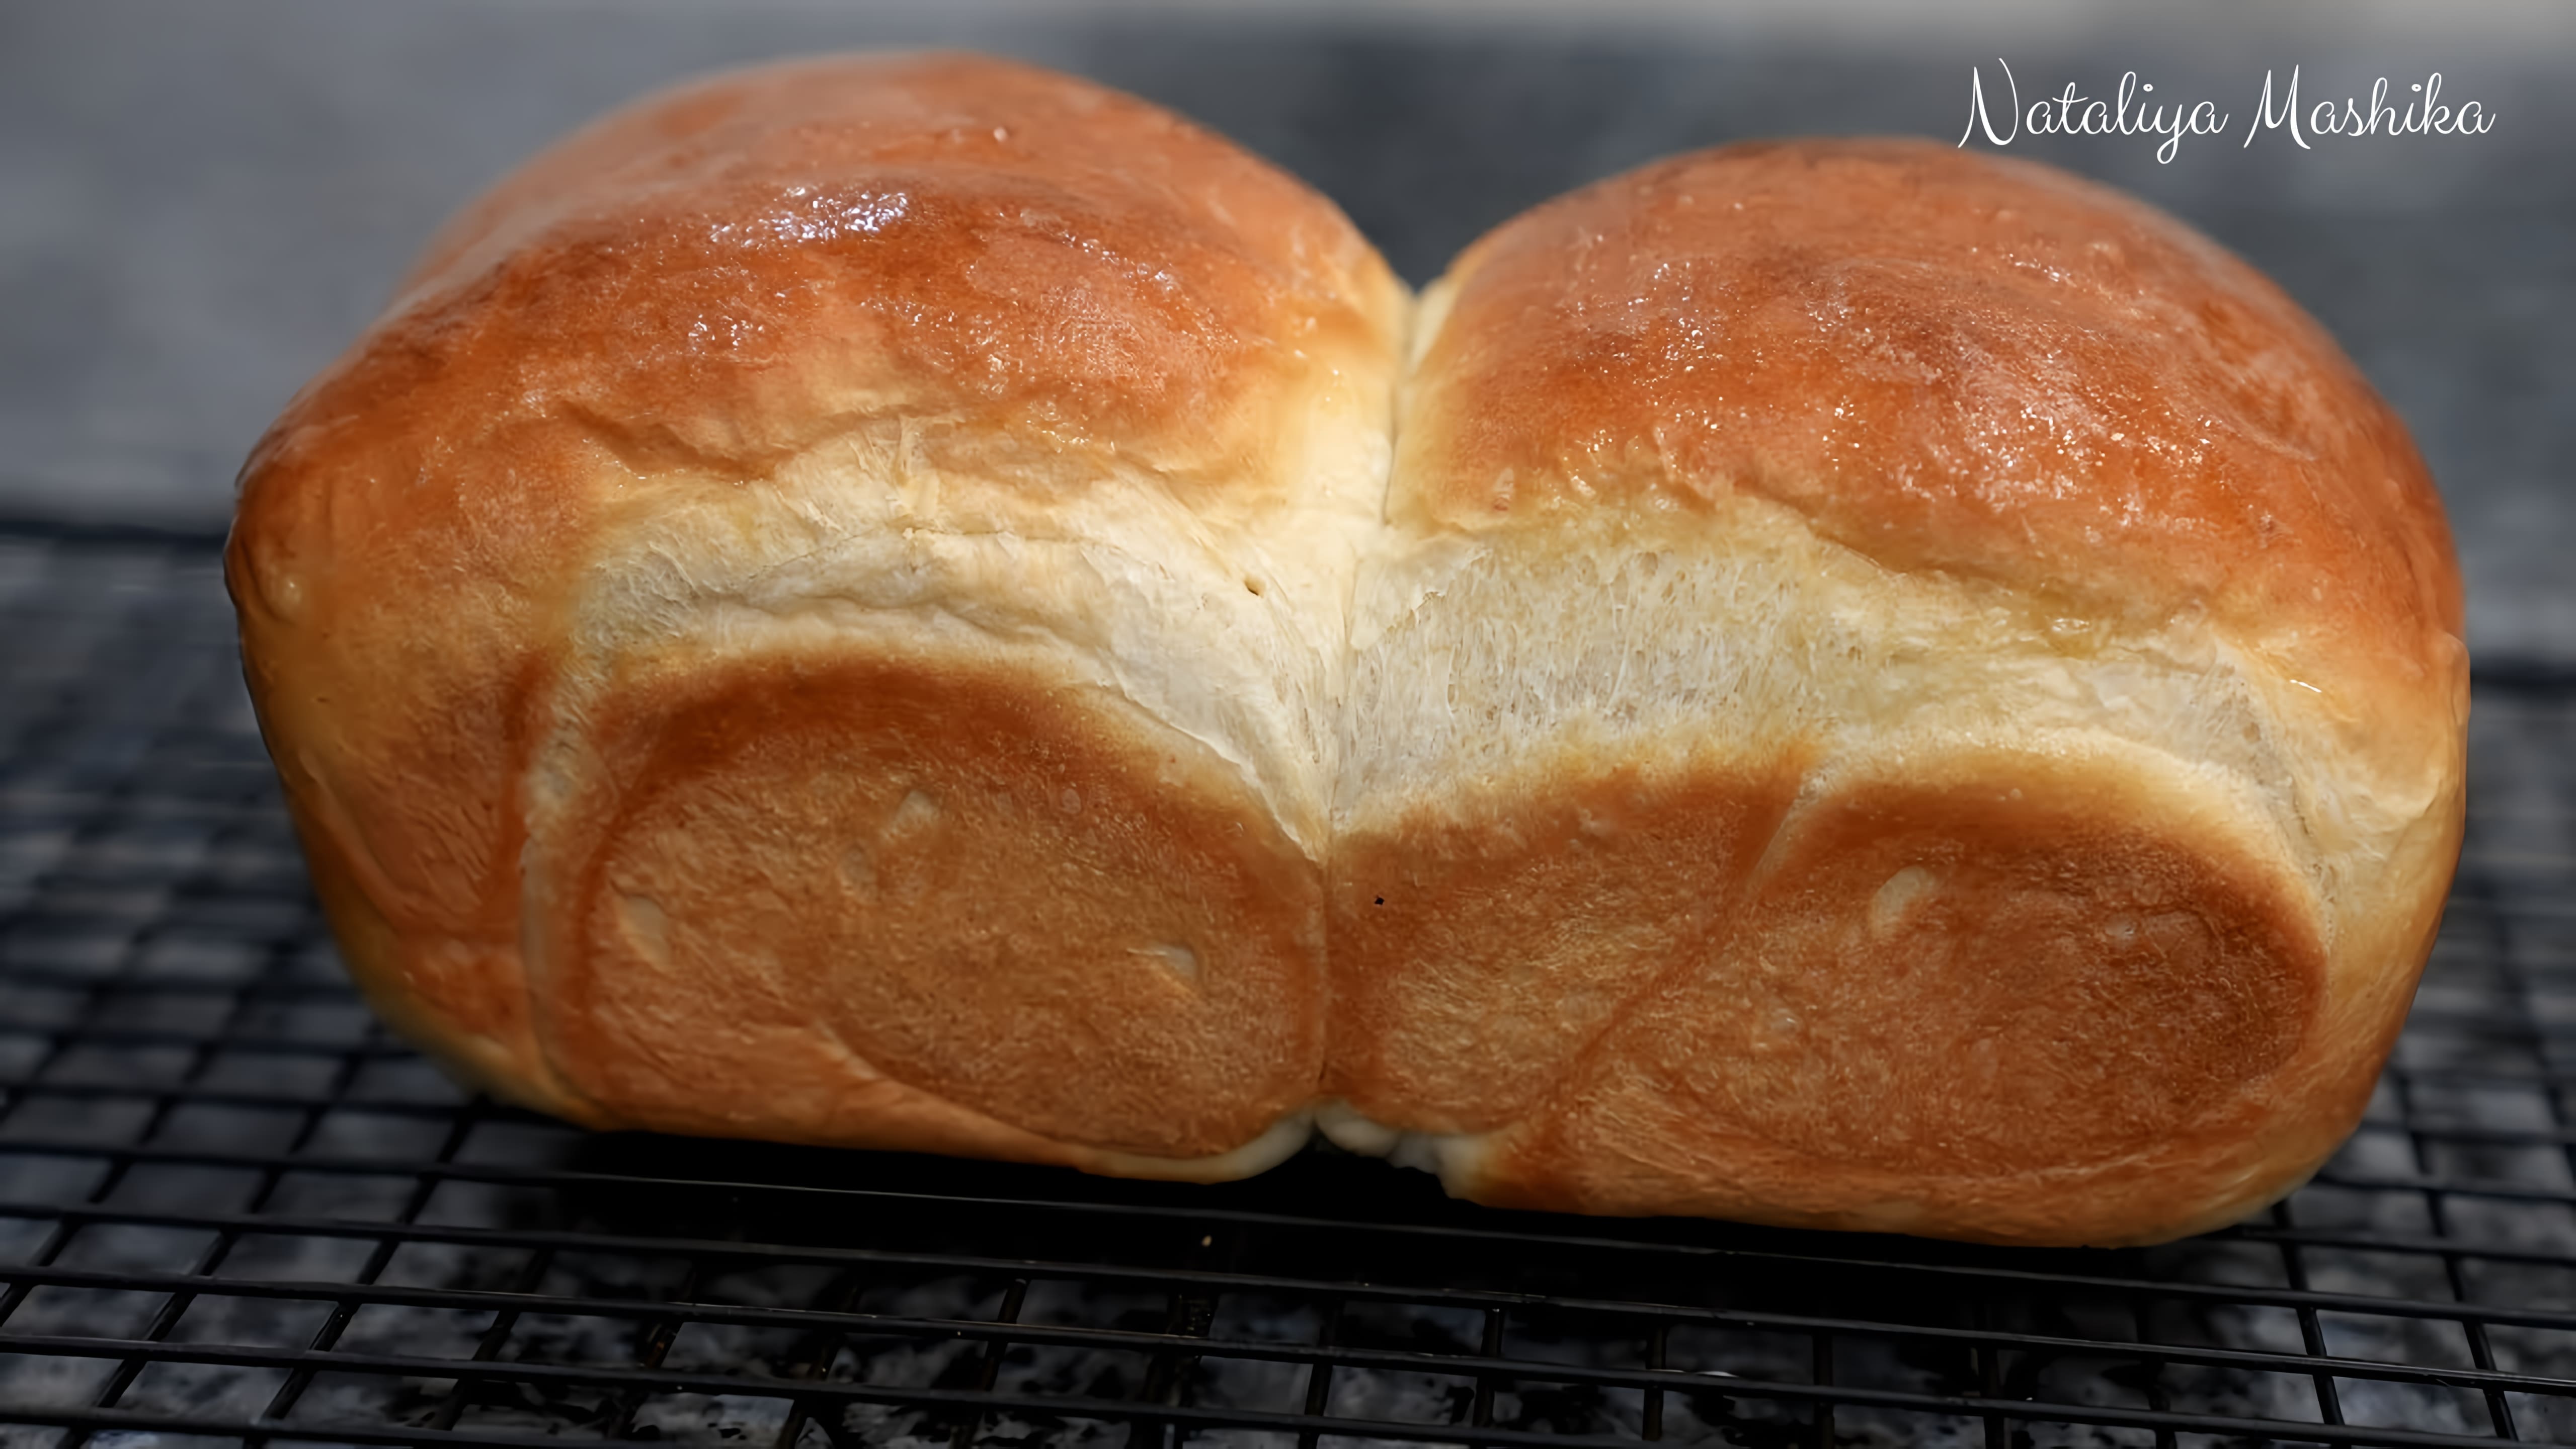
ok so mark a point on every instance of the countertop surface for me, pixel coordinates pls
(201, 203)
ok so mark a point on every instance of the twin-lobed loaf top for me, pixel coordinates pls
(919, 602)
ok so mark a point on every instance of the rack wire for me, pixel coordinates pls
(232, 1209)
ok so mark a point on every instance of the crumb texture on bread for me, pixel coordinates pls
(916, 602)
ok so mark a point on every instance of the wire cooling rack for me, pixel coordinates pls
(232, 1208)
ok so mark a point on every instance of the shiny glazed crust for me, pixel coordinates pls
(894, 601)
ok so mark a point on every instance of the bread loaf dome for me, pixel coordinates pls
(1903, 691)
(917, 602)
(817, 614)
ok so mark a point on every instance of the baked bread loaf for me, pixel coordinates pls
(1902, 691)
(916, 602)
(818, 614)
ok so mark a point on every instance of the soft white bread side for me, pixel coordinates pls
(1904, 691)
(818, 615)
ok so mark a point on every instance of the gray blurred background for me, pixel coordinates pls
(201, 201)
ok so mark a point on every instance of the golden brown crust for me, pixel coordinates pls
(1484, 943)
(994, 887)
(1937, 1000)
(395, 597)
(1947, 361)
(1028, 264)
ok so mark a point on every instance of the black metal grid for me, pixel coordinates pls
(232, 1207)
